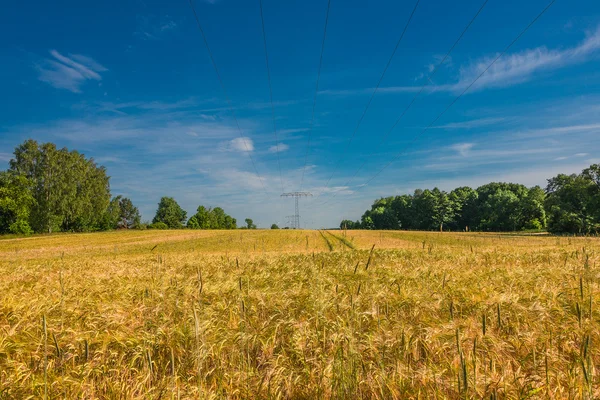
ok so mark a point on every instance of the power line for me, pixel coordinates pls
(312, 119)
(433, 72)
(401, 153)
(231, 110)
(374, 91)
(262, 19)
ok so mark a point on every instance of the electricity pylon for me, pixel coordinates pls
(296, 196)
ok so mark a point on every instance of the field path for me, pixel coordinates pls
(343, 241)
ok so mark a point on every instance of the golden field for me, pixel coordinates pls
(299, 315)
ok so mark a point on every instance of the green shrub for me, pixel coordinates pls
(158, 225)
(533, 224)
(20, 227)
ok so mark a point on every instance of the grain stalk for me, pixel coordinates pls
(45, 330)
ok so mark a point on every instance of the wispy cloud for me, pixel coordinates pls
(350, 92)
(576, 155)
(279, 149)
(204, 107)
(520, 67)
(559, 130)
(431, 66)
(154, 28)
(338, 190)
(509, 70)
(168, 26)
(471, 124)
(70, 72)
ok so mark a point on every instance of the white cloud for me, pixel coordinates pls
(462, 148)
(241, 144)
(236, 178)
(581, 154)
(279, 148)
(69, 73)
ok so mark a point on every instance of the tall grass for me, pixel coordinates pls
(204, 315)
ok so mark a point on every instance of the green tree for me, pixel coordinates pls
(16, 202)
(274, 226)
(593, 174)
(402, 208)
(532, 212)
(121, 214)
(200, 220)
(366, 222)
(110, 219)
(465, 208)
(424, 208)
(571, 203)
(71, 192)
(500, 211)
(380, 216)
(170, 213)
(250, 224)
(349, 224)
(383, 217)
(215, 218)
(499, 206)
(443, 208)
(129, 216)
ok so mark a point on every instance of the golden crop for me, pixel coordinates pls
(299, 315)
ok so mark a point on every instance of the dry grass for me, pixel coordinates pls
(276, 314)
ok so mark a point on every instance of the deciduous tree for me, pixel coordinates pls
(170, 213)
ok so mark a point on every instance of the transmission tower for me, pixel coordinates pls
(296, 196)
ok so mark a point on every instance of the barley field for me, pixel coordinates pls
(299, 315)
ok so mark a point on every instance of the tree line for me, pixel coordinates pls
(170, 215)
(47, 189)
(568, 204)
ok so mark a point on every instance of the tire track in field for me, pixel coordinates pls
(343, 240)
(327, 241)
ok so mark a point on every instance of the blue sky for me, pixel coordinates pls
(130, 83)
